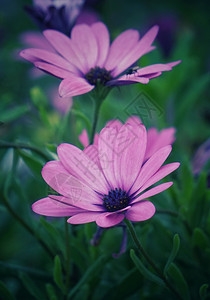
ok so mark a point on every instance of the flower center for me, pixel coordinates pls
(98, 75)
(116, 199)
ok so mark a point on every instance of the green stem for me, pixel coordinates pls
(24, 146)
(147, 258)
(26, 226)
(67, 254)
(95, 120)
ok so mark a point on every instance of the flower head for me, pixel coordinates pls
(55, 14)
(107, 182)
(87, 60)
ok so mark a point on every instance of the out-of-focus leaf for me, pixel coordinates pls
(143, 270)
(179, 281)
(51, 292)
(31, 287)
(57, 273)
(187, 185)
(33, 163)
(13, 114)
(83, 293)
(203, 291)
(192, 95)
(89, 274)
(38, 98)
(174, 251)
(200, 239)
(5, 292)
(82, 116)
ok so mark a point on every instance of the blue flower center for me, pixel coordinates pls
(116, 199)
(98, 75)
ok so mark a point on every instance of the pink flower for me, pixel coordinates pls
(108, 182)
(155, 139)
(87, 59)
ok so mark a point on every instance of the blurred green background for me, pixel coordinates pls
(180, 98)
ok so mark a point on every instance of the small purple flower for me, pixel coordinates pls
(110, 185)
(55, 14)
(87, 60)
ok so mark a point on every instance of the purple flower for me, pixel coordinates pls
(55, 14)
(108, 182)
(87, 60)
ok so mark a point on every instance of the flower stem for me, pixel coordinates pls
(26, 226)
(95, 120)
(147, 258)
(24, 146)
(67, 254)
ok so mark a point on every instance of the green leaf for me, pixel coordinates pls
(83, 293)
(179, 280)
(51, 292)
(89, 274)
(5, 293)
(82, 116)
(203, 291)
(38, 98)
(31, 287)
(174, 251)
(200, 239)
(143, 270)
(57, 274)
(13, 114)
(33, 163)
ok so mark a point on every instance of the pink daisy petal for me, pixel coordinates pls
(83, 138)
(109, 219)
(154, 191)
(36, 40)
(128, 79)
(160, 174)
(79, 164)
(153, 69)
(174, 63)
(49, 57)
(102, 36)
(51, 208)
(151, 167)
(120, 48)
(157, 140)
(85, 41)
(130, 146)
(140, 211)
(64, 46)
(84, 217)
(73, 86)
(56, 71)
(138, 50)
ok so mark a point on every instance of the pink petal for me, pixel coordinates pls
(52, 208)
(74, 86)
(128, 79)
(56, 71)
(49, 57)
(151, 167)
(35, 40)
(102, 36)
(85, 41)
(155, 190)
(160, 174)
(74, 191)
(140, 211)
(153, 69)
(129, 159)
(157, 140)
(174, 63)
(142, 47)
(120, 48)
(85, 217)
(109, 219)
(64, 46)
(92, 152)
(83, 138)
(79, 164)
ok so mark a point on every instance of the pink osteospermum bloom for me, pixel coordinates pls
(87, 58)
(108, 182)
(155, 139)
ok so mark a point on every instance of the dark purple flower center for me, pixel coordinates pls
(116, 199)
(98, 75)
